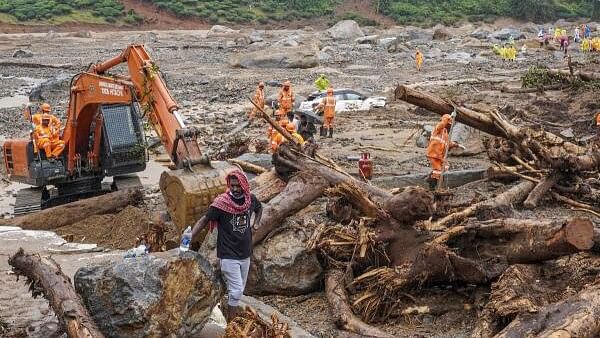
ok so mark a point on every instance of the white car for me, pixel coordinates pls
(346, 100)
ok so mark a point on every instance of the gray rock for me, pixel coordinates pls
(469, 137)
(506, 33)
(460, 57)
(55, 86)
(441, 33)
(369, 39)
(277, 58)
(22, 53)
(282, 265)
(398, 47)
(385, 42)
(287, 42)
(433, 53)
(418, 34)
(567, 133)
(263, 160)
(480, 34)
(160, 295)
(423, 139)
(346, 29)
(218, 30)
(255, 37)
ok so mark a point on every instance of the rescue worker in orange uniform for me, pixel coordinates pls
(286, 100)
(436, 151)
(48, 139)
(277, 138)
(598, 124)
(419, 59)
(291, 128)
(45, 108)
(259, 99)
(327, 106)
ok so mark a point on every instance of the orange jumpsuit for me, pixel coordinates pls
(286, 101)
(328, 106)
(419, 60)
(36, 119)
(48, 140)
(259, 99)
(276, 140)
(437, 147)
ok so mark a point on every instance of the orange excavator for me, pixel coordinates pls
(104, 137)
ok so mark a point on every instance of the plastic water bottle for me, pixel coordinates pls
(186, 238)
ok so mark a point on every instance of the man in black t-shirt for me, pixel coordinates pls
(230, 213)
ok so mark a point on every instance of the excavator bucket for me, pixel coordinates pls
(188, 194)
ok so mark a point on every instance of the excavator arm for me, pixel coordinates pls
(156, 101)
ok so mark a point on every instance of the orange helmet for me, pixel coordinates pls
(45, 107)
(261, 84)
(330, 90)
(446, 119)
(290, 127)
(283, 123)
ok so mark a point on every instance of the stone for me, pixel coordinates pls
(423, 139)
(54, 86)
(22, 53)
(567, 133)
(418, 34)
(433, 53)
(369, 39)
(80, 34)
(287, 42)
(505, 34)
(441, 33)
(481, 34)
(255, 37)
(459, 57)
(302, 58)
(219, 30)
(282, 265)
(385, 42)
(157, 295)
(468, 137)
(345, 29)
(398, 47)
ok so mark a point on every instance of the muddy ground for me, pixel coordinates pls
(213, 97)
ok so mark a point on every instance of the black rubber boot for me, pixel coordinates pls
(330, 132)
(432, 182)
(322, 131)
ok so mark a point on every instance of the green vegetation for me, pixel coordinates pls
(238, 11)
(59, 11)
(419, 12)
(452, 11)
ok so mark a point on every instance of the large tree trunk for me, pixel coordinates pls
(300, 191)
(70, 213)
(576, 316)
(522, 241)
(267, 185)
(585, 76)
(338, 300)
(45, 277)
(512, 196)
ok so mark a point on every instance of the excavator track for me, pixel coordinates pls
(28, 200)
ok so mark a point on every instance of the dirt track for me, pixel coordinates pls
(213, 97)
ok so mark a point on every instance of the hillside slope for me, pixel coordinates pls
(191, 13)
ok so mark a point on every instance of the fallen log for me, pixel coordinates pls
(584, 76)
(59, 216)
(267, 185)
(576, 316)
(512, 196)
(522, 240)
(247, 166)
(300, 191)
(520, 90)
(45, 277)
(344, 318)
(540, 190)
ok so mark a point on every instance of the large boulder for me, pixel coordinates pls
(346, 29)
(469, 137)
(218, 30)
(160, 295)
(480, 34)
(53, 87)
(506, 33)
(277, 58)
(283, 265)
(441, 33)
(22, 53)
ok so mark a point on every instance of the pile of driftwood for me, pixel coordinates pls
(380, 246)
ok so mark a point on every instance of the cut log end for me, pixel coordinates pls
(579, 232)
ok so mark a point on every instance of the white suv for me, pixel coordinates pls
(346, 100)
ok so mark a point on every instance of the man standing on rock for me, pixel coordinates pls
(286, 100)
(259, 99)
(230, 213)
